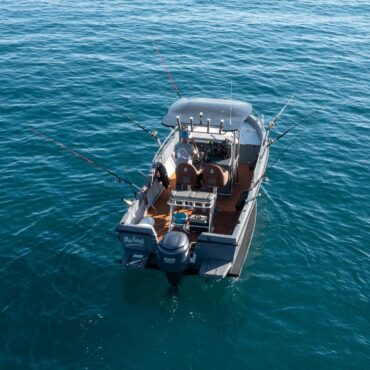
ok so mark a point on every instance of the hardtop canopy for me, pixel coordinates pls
(233, 112)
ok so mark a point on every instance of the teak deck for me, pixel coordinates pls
(225, 217)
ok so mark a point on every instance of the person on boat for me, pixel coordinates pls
(185, 150)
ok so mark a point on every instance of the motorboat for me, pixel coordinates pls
(196, 212)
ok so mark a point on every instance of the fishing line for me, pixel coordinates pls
(285, 150)
(119, 179)
(291, 128)
(170, 77)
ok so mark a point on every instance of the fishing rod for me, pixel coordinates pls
(170, 77)
(153, 134)
(287, 148)
(283, 152)
(273, 122)
(119, 179)
(290, 129)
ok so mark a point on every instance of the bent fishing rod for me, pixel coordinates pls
(119, 179)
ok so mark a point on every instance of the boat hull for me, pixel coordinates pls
(245, 244)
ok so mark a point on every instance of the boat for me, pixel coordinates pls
(196, 213)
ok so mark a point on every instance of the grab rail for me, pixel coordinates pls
(163, 146)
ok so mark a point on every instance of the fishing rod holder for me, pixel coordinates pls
(178, 122)
(201, 118)
(191, 121)
(127, 202)
(253, 198)
(222, 123)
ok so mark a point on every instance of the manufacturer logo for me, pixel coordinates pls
(133, 242)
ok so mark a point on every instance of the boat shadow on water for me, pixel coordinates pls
(149, 289)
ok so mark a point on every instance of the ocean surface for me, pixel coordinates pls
(79, 71)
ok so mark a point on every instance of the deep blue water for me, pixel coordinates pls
(78, 70)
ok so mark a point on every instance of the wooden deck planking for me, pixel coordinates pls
(225, 217)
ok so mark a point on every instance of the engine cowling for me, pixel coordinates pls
(173, 255)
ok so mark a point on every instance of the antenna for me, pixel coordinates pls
(172, 80)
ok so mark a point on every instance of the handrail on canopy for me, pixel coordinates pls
(233, 113)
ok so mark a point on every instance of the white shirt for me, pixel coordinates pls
(184, 153)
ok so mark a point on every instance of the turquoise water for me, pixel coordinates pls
(77, 70)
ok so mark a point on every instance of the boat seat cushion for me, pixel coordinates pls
(215, 176)
(193, 196)
(187, 174)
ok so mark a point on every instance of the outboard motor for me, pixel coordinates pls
(173, 255)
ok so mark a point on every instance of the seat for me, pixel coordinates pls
(187, 175)
(214, 176)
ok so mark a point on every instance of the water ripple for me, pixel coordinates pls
(79, 71)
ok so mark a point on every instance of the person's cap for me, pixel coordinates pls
(184, 135)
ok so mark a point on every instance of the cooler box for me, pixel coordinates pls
(198, 223)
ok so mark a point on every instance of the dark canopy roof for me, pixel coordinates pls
(215, 109)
